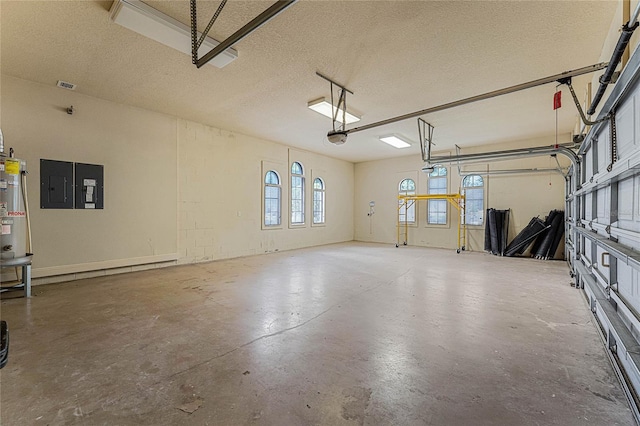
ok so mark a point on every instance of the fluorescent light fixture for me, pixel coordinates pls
(395, 141)
(149, 22)
(325, 108)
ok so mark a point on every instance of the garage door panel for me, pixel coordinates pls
(588, 206)
(626, 287)
(603, 150)
(603, 205)
(626, 123)
(626, 199)
(588, 163)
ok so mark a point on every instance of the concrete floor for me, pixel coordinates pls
(345, 334)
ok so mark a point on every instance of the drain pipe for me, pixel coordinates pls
(623, 41)
(1, 144)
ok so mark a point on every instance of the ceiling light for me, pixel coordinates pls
(395, 141)
(151, 23)
(325, 108)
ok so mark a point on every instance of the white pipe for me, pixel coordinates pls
(634, 17)
(26, 210)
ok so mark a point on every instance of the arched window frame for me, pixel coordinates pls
(438, 210)
(473, 190)
(272, 199)
(297, 194)
(318, 201)
(407, 210)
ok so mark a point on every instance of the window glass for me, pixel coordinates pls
(407, 210)
(297, 194)
(437, 209)
(272, 199)
(473, 189)
(318, 201)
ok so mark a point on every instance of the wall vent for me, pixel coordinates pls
(66, 85)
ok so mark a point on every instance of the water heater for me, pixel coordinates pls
(15, 238)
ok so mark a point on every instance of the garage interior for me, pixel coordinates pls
(201, 246)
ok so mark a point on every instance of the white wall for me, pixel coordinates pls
(175, 190)
(138, 151)
(527, 195)
(220, 195)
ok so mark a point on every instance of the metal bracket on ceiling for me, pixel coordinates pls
(458, 150)
(425, 135)
(195, 42)
(340, 107)
(585, 120)
(250, 27)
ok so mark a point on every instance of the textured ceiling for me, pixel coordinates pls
(396, 56)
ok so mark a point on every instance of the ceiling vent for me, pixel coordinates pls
(66, 85)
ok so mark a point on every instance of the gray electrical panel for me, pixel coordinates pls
(89, 186)
(56, 184)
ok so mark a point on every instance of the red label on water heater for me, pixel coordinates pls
(16, 214)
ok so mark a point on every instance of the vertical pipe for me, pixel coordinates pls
(26, 209)
(634, 16)
(587, 104)
(26, 278)
(459, 224)
(626, 11)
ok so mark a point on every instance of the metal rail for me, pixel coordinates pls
(253, 25)
(584, 118)
(333, 82)
(563, 149)
(211, 22)
(488, 95)
(511, 171)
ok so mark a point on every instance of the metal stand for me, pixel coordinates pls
(23, 284)
(456, 200)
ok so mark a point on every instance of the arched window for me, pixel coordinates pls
(407, 210)
(437, 209)
(473, 190)
(318, 201)
(297, 194)
(271, 199)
